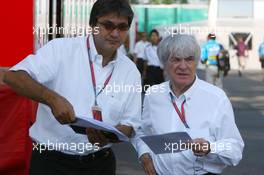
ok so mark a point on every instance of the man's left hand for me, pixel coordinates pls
(96, 137)
(200, 147)
(127, 130)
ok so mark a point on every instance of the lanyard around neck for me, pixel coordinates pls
(181, 113)
(93, 75)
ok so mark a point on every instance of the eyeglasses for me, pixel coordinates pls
(108, 25)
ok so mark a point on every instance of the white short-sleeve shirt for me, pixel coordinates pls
(140, 48)
(151, 56)
(62, 65)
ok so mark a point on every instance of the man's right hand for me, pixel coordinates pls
(96, 137)
(2, 72)
(62, 109)
(148, 164)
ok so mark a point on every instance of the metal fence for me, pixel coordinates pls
(60, 18)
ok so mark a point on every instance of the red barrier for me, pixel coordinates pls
(16, 115)
(16, 31)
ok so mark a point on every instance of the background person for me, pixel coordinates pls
(139, 52)
(261, 58)
(242, 54)
(209, 56)
(154, 72)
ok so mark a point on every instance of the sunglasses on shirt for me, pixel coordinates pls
(108, 25)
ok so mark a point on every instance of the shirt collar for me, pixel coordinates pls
(187, 94)
(95, 57)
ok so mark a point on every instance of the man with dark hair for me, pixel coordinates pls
(75, 77)
(154, 70)
(104, 7)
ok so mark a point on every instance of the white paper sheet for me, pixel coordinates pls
(92, 123)
(167, 143)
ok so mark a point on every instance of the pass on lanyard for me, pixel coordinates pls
(180, 114)
(96, 110)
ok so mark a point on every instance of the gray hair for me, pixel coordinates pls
(180, 45)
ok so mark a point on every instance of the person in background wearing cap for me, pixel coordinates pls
(69, 77)
(209, 56)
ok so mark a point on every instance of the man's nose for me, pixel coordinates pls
(183, 64)
(115, 33)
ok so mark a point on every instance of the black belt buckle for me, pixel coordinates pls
(102, 153)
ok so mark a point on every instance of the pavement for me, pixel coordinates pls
(247, 97)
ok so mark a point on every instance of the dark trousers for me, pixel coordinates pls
(262, 63)
(140, 65)
(56, 163)
(154, 75)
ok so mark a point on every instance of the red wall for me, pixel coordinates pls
(16, 31)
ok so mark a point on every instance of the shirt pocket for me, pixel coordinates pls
(114, 109)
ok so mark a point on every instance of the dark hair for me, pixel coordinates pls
(211, 36)
(104, 7)
(154, 31)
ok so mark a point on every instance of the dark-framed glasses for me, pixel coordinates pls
(110, 26)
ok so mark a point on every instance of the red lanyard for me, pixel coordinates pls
(180, 114)
(93, 75)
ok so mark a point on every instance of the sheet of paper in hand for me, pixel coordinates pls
(168, 143)
(85, 122)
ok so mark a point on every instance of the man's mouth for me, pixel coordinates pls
(113, 41)
(182, 74)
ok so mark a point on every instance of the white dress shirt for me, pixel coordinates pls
(63, 66)
(122, 49)
(140, 48)
(208, 113)
(151, 55)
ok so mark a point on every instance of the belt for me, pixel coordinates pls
(154, 67)
(92, 156)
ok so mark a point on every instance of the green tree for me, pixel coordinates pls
(155, 1)
(184, 1)
(133, 1)
(167, 1)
